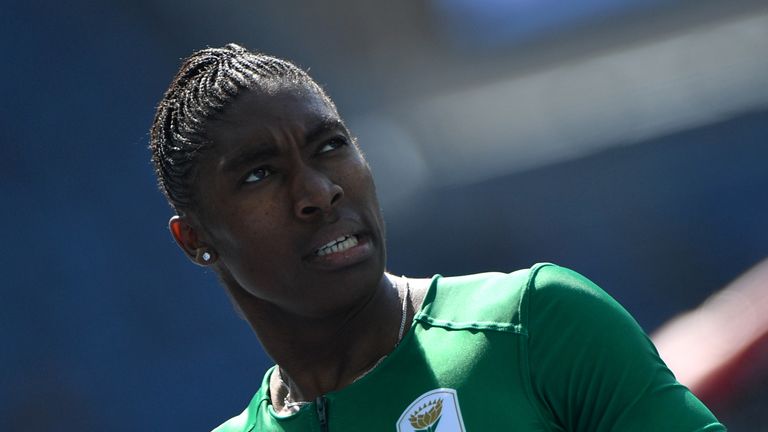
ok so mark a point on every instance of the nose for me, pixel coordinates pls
(314, 194)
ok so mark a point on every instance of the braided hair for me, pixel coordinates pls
(208, 81)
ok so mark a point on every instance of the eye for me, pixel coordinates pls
(333, 144)
(258, 175)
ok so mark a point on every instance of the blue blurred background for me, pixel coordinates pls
(626, 139)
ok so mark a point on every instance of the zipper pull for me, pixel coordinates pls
(322, 412)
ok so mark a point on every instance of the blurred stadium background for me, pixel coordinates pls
(626, 139)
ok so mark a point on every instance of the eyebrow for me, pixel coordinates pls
(248, 157)
(324, 127)
(265, 151)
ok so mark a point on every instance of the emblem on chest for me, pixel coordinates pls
(434, 411)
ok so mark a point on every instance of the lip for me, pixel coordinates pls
(337, 260)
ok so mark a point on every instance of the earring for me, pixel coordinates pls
(206, 256)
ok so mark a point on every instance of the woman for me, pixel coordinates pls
(273, 194)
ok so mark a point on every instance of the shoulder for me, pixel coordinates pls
(551, 287)
(548, 280)
(498, 301)
(246, 421)
(557, 297)
(545, 293)
(235, 424)
(593, 366)
(564, 312)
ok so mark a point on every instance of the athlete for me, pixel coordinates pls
(271, 191)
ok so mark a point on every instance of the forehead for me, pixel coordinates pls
(263, 123)
(263, 112)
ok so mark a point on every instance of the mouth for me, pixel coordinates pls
(342, 252)
(338, 245)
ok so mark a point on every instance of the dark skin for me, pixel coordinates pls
(282, 183)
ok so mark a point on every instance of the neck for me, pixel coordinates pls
(319, 355)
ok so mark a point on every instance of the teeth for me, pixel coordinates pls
(339, 245)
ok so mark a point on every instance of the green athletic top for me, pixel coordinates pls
(541, 349)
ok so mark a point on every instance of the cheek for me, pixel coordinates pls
(358, 177)
(244, 229)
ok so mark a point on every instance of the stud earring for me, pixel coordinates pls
(206, 256)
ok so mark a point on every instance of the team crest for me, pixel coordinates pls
(434, 411)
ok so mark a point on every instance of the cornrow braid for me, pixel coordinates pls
(208, 81)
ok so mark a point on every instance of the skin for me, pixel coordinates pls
(284, 177)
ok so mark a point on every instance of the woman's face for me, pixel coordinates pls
(288, 203)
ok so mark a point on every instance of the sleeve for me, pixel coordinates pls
(594, 369)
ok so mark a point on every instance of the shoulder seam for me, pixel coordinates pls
(476, 325)
(507, 324)
(524, 343)
(534, 271)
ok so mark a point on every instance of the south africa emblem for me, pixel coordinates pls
(434, 411)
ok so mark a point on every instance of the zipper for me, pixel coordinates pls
(322, 412)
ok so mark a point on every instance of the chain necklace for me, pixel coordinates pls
(295, 405)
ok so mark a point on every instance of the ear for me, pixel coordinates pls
(188, 239)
